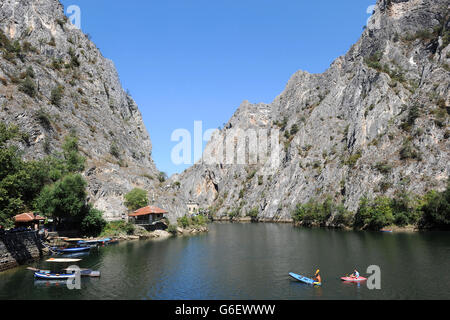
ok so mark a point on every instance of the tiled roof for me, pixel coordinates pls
(147, 211)
(27, 217)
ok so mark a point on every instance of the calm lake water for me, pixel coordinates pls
(252, 261)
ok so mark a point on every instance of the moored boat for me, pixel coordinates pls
(72, 250)
(63, 260)
(53, 276)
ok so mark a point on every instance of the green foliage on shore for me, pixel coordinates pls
(374, 214)
(436, 209)
(64, 199)
(93, 223)
(318, 213)
(136, 199)
(118, 228)
(172, 228)
(186, 221)
(253, 213)
(20, 181)
(51, 186)
(429, 211)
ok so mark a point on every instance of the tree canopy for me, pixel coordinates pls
(136, 199)
(52, 186)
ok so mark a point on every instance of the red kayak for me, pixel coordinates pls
(350, 279)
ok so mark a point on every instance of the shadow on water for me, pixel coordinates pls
(252, 261)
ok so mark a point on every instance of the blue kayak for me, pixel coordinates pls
(304, 279)
(52, 276)
(73, 250)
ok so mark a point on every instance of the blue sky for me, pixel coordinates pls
(189, 60)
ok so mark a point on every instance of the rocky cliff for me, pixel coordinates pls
(53, 82)
(374, 123)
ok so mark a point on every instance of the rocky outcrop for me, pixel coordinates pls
(374, 123)
(71, 87)
(19, 248)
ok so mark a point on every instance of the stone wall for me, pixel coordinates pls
(19, 248)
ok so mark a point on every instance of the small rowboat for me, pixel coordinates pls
(350, 279)
(53, 276)
(72, 240)
(49, 283)
(55, 260)
(72, 250)
(83, 272)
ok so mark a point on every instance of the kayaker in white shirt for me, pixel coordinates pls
(355, 274)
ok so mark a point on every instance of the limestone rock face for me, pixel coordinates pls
(93, 104)
(374, 123)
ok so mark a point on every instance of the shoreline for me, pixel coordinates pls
(388, 229)
(157, 235)
(164, 234)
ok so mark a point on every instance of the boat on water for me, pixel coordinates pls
(97, 242)
(350, 279)
(74, 240)
(49, 283)
(63, 260)
(71, 250)
(75, 255)
(304, 279)
(53, 276)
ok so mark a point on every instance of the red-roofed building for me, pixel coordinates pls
(28, 219)
(147, 215)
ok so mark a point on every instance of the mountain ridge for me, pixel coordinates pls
(385, 102)
(56, 82)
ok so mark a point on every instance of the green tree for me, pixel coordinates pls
(342, 216)
(93, 223)
(308, 213)
(48, 185)
(136, 199)
(405, 210)
(74, 161)
(64, 199)
(436, 209)
(374, 214)
(18, 179)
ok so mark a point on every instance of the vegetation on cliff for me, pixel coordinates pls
(429, 211)
(118, 228)
(51, 186)
(136, 199)
(186, 221)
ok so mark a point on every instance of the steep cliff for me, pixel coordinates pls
(374, 123)
(54, 81)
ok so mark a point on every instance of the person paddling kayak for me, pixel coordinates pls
(317, 278)
(355, 274)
